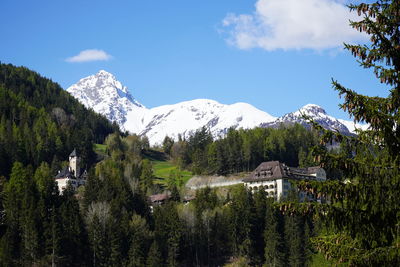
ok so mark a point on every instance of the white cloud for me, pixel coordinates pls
(90, 55)
(293, 24)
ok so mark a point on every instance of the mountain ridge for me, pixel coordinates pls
(106, 95)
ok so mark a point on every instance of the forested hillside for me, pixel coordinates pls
(108, 222)
(242, 150)
(40, 122)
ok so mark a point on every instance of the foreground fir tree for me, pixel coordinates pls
(363, 214)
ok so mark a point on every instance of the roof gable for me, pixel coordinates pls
(272, 170)
(73, 153)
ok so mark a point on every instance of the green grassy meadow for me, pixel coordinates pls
(99, 148)
(162, 170)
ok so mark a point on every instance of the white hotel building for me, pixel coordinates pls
(274, 177)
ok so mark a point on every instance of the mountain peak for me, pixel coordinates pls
(312, 109)
(106, 76)
(104, 72)
(316, 113)
(106, 95)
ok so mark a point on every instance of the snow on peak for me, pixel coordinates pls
(104, 72)
(106, 95)
(314, 112)
(186, 117)
(312, 109)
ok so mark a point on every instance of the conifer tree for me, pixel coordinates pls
(273, 235)
(258, 227)
(294, 237)
(147, 176)
(240, 217)
(154, 256)
(13, 205)
(364, 212)
(140, 236)
(74, 249)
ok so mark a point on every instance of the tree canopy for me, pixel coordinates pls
(363, 216)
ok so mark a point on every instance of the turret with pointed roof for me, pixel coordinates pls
(73, 153)
(74, 161)
(71, 174)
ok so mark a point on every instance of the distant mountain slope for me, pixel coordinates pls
(39, 121)
(186, 117)
(354, 126)
(317, 113)
(104, 94)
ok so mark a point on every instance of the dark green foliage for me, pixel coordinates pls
(113, 195)
(168, 232)
(39, 120)
(243, 150)
(294, 239)
(257, 246)
(74, 235)
(362, 219)
(167, 144)
(274, 237)
(154, 258)
(240, 217)
(147, 176)
(109, 223)
(206, 198)
(38, 221)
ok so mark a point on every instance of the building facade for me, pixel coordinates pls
(71, 174)
(275, 178)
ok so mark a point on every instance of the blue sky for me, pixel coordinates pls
(270, 53)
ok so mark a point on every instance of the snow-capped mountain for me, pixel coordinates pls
(319, 115)
(354, 126)
(106, 95)
(186, 117)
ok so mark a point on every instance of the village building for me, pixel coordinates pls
(275, 178)
(71, 174)
(159, 199)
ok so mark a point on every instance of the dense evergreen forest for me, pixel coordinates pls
(242, 150)
(362, 219)
(109, 222)
(40, 122)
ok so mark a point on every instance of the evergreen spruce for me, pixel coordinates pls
(363, 215)
(154, 256)
(273, 236)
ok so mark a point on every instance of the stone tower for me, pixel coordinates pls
(74, 163)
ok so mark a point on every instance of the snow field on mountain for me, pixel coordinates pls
(106, 95)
